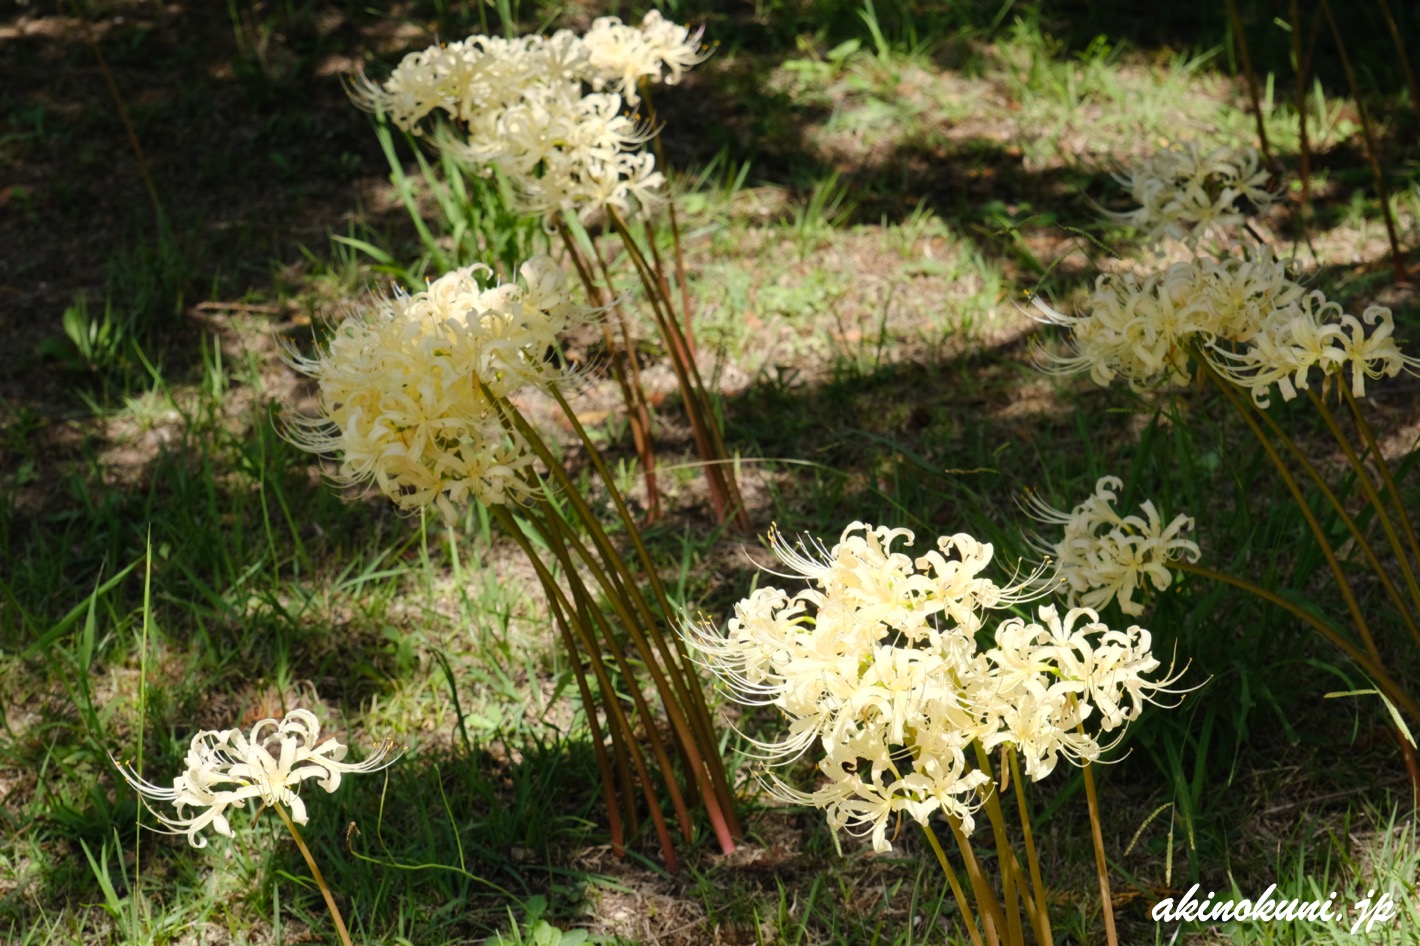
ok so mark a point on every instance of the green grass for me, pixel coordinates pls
(867, 191)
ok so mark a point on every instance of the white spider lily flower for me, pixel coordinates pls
(1104, 667)
(1103, 556)
(1185, 192)
(1313, 334)
(225, 768)
(876, 665)
(521, 107)
(1040, 725)
(1144, 329)
(408, 388)
(1064, 675)
(471, 76)
(1243, 314)
(656, 51)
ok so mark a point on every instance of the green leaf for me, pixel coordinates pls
(369, 249)
(1390, 707)
(58, 630)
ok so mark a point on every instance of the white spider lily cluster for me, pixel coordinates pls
(1185, 192)
(524, 109)
(1248, 318)
(401, 399)
(623, 56)
(1104, 556)
(1143, 328)
(1312, 334)
(877, 664)
(225, 768)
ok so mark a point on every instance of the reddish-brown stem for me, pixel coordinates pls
(1101, 864)
(638, 414)
(1397, 256)
(1251, 79)
(1305, 146)
(722, 499)
(1400, 53)
(122, 110)
(685, 309)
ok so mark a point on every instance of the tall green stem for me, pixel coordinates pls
(1304, 144)
(694, 728)
(992, 919)
(1246, 411)
(675, 224)
(1342, 512)
(569, 644)
(1397, 255)
(1401, 54)
(1241, 35)
(1101, 863)
(963, 903)
(1005, 857)
(617, 720)
(692, 692)
(558, 536)
(1373, 669)
(1363, 476)
(1041, 922)
(315, 872)
(1384, 467)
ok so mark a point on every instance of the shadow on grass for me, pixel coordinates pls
(257, 152)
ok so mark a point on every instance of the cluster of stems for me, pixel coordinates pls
(1303, 53)
(610, 627)
(1368, 465)
(677, 335)
(1001, 918)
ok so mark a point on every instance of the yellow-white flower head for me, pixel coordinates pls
(1143, 328)
(408, 388)
(1066, 682)
(1184, 192)
(225, 768)
(565, 150)
(1312, 333)
(1250, 320)
(656, 51)
(876, 664)
(1103, 556)
(471, 77)
(520, 106)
